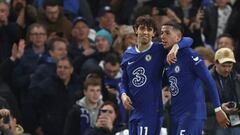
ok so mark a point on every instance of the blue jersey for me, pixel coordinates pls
(142, 80)
(185, 79)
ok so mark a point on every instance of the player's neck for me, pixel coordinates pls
(143, 47)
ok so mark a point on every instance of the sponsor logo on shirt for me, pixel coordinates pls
(173, 85)
(139, 77)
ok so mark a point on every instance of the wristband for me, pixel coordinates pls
(123, 94)
(218, 109)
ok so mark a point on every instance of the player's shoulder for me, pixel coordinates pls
(157, 45)
(190, 54)
(128, 54)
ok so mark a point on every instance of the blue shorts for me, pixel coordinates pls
(186, 126)
(151, 126)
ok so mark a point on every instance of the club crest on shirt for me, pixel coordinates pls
(148, 57)
(177, 69)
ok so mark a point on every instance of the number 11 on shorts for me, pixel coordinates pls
(143, 130)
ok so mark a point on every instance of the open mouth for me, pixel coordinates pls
(164, 42)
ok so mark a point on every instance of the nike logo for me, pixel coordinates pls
(196, 58)
(129, 63)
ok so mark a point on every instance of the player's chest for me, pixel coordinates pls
(177, 69)
(145, 63)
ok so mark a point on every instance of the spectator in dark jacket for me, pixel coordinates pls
(228, 85)
(9, 32)
(33, 56)
(49, 102)
(57, 49)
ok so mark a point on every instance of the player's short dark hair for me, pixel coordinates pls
(175, 26)
(145, 20)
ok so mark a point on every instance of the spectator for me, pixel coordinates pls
(8, 123)
(92, 99)
(9, 32)
(227, 41)
(126, 38)
(207, 55)
(53, 18)
(57, 49)
(112, 77)
(77, 120)
(106, 20)
(215, 20)
(232, 25)
(103, 44)
(7, 66)
(48, 104)
(22, 13)
(80, 44)
(228, 83)
(107, 121)
(34, 55)
(73, 8)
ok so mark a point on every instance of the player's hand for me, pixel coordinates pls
(172, 55)
(127, 103)
(222, 119)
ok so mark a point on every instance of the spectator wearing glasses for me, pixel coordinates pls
(33, 56)
(107, 121)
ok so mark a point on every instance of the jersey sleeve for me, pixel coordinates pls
(124, 81)
(185, 42)
(198, 66)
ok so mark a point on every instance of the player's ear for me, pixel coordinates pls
(179, 36)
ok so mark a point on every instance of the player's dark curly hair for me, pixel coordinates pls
(145, 20)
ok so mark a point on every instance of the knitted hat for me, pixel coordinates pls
(105, 34)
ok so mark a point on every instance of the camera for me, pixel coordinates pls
(232, 104)
(5, 119)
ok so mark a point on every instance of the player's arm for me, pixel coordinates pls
(184, 43)
(198, 66)
(127, 103)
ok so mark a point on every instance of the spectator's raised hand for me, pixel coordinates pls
(18, 50)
